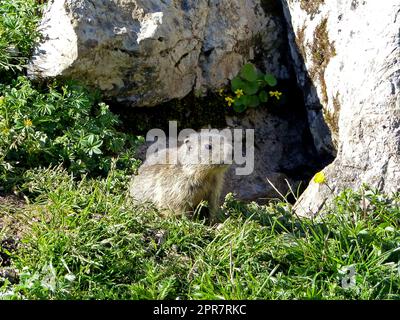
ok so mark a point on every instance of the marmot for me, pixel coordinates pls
(178, 184)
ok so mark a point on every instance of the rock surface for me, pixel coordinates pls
(283, 154)
(347, 56)
(144, 52)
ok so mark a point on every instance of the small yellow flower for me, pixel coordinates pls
(5, 131)
(239, 93)
(221, 92)
(28, 123)
(230, 100)
(319, 177)
(276, 94)
(2, 100)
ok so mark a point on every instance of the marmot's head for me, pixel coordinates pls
(206, 149)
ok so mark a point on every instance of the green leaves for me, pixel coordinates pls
(270, 80)
(237, 83)
(52, 125)
(18, 32)
(249, 72)
(239, 106)
(249, 87)
(64, 125)
(253, 101)
(91, 144)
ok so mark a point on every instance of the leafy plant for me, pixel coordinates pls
(249, 88)
(63, 125)
(18, 20)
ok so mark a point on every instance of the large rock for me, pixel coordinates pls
(347, 56)
(144, 52)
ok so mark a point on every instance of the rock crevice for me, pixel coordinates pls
(357, 86)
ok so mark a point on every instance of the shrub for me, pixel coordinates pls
(18, 20)
(61, 124)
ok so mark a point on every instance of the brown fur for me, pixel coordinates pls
(179, 187)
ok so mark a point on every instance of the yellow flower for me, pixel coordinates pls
(239, 93)
(1, 100)
(28, 123)
(276, 94)
(221, 92)
(319, 177)
(5, 131)
(230, 100)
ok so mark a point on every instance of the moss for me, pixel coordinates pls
(336, 103)
(311, 6)
(300, 41)
(332, 119)
(322, 50)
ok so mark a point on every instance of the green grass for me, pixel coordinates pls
(85, 240)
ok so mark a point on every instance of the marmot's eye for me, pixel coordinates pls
(208, 146)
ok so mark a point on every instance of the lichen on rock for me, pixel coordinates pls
(321, 50)
(311, 6)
